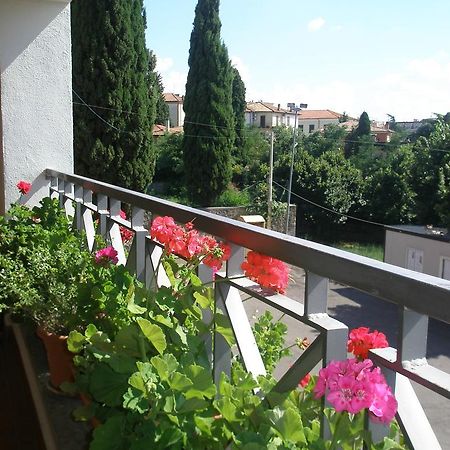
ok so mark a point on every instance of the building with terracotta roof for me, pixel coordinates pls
(176, 111)
(379, 130)
(267, 115)
(312, 120)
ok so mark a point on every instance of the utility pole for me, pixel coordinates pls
(269, 199)
(296, 109)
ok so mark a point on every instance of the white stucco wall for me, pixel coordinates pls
(396, 250)
(318, 124)
(35, 93)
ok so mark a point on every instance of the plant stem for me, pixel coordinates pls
(335, 434)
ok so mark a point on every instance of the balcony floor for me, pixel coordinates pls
(19, 426)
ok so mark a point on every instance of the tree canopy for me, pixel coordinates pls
(111, 70)
(209, 125)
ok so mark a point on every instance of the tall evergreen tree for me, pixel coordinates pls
(157, 90)
(110, 69)
(239, 104)
(358, 136)
(209, 124)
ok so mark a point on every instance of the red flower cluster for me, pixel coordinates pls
(266, 271)
(106, 255)
(23, 187)
(361, 341)
(125, 233)
(188, 243)
(305, 381)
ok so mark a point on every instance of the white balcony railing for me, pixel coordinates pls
(418, 296)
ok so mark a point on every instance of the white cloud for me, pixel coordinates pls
(163, 64)
(415, 91)
(316, 24)
(174, 81)
(244, 70)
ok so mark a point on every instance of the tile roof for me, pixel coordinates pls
(318, 114)
(160, 130)
(169, 97)
(265, 107)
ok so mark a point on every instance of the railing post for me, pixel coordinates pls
(102, 210)
(67, 200)
(79, 207)
(316, 293)
(61, 186)
(54, 188)
(413, 337)
(140, 233)
(114, 230)
(88, 221)
(206, 275)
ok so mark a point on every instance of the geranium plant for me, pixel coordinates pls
(150, 382)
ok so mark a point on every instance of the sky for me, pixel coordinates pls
(383, 57)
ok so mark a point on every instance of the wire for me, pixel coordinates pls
(98, 115)
(331, 210)
(245, 128)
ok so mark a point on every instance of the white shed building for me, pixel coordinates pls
(420, 248)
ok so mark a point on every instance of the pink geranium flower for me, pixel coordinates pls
(125, 233)
(353, 386)
(23, 187)
(106, 255)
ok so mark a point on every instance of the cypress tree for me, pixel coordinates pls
(157, 90)
(358, 136)
(239, 104)
(111, 69)
(209, 124)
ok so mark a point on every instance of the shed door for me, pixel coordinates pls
(446, 268)
(414, 260)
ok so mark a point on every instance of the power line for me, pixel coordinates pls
(245, 128)
(331, 210)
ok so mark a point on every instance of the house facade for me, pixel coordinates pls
(176, 111)
(424, 249)
(36, 127)
(312, 120)
(268, 115)
(380, 131)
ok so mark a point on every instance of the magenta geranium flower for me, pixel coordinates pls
(106, 255)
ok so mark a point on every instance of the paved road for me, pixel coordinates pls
(355, 309)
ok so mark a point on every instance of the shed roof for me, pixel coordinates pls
(424, 231)
(170, 97)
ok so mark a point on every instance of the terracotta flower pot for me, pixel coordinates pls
(60, 360)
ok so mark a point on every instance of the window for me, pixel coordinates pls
(311, 128)
(414, 259)
(300, 127)
(288, 121)
(276, 121)
(262, 121)
(445, 273)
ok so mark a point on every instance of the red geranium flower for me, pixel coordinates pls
(266, 271)
(23, 187)
(361, 341)
(305, 380)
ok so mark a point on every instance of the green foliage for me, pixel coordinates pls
(329, 180)
(209, 123)
(156, 90)
(111, 69)
(239, 104)
(233, 197)
(48, 275)
(270, 337)
(169, 162)
(360, 133)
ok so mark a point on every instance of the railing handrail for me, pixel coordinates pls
(422, 293)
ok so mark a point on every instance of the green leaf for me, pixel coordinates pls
(163, 320)
(203, 385)
(109, 436)
(127, 339)
(192, 404)
(135, 401)
(165, 365)
(107, 386)
(180, 382)
(289, 424)
(121, 363)
(137, 381)
(75, 342)
(83, 413)
(153, 333)
(170, 437)
(227, 409)
(204, 424)
(202, 300)
(136, 309)
(90, 330)
(223, 327)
